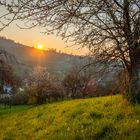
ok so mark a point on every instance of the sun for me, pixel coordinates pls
(40, 46)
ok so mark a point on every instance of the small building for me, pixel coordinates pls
(7, 89)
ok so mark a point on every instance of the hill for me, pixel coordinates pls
(28, 57)
(56, 62)
(104, 118)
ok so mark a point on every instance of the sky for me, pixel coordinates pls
(32, 37)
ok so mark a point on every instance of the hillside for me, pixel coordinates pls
(56, 62)
(104, 118)
(28, 57)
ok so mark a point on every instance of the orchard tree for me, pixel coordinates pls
(7, 75)
(42, 86)
(109, 28)
(71, 82)
(76, 80)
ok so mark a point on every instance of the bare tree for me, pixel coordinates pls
(110, 28)
(76, 80)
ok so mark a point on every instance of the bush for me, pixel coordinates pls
(36, 95)
(55, 92)
(5, 100)
(19, 99)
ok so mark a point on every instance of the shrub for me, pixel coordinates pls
(36, 95)
(55, 92)
(19, 98)
(5, 100)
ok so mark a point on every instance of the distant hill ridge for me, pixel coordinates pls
(30, 57)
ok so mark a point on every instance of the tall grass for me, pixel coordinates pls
(104, 118)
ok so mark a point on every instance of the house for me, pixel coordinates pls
(20, 89)
(7, 89)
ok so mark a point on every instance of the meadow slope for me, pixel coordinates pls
(103, 118)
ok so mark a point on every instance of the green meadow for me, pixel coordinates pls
(102, 118)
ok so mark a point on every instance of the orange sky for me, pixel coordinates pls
(32, 37)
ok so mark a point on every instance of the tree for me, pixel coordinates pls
(7, 75)
(42, 86)
(38, 81)
(76, 80)
(71, 83)
(110, 28)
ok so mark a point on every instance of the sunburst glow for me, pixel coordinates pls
(40, 46)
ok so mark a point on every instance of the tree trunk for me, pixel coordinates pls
(1, 85)
(134, 84)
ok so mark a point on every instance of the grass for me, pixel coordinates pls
(103, 118)
(7, 110)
